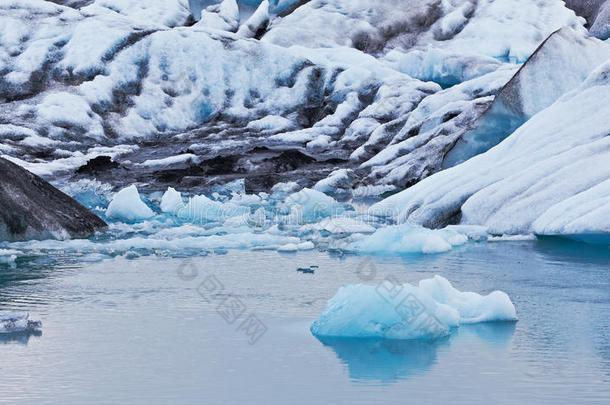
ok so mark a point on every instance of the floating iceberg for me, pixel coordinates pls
(126, 205)
(202, 209)
(171, 201)
(394, 311)
(409, 238)
(341, 225)
(13, 322)
(472, 307)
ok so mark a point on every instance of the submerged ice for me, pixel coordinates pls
(431, 310)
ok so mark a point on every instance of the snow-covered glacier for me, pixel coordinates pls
(557, 159)
(390, 310)
(140, 83)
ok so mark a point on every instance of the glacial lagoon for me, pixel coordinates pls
(145, 329)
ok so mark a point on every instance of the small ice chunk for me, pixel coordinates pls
(306, 245)
(11, 322)
(202, 209)
(126, 205)
(289, 247)
(271, 123)
(172, 201)
(409, 238)
(341, 225)
(309, 205)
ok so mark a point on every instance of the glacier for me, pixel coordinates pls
(528, 176)
(344, 98)
(431, 310)
(342, 105)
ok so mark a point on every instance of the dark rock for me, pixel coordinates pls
(77, 4)
(31, 208)
(290, 160)
(589, 9)
(220, 165)
(97, 164)
(263, 182)
(174, 176)
(601, 27)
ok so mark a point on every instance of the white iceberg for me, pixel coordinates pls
(126, 205)
(472, 307)
(403, 311)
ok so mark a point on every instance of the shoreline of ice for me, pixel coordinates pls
(286, 220)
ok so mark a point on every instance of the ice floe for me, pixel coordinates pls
(403, 311)
(15, 322)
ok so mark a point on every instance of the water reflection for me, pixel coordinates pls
(567, 250)
(22, 338)
(384, 360)
(494, 334)
(387, 361)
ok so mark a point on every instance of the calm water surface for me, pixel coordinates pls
(148, 331)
